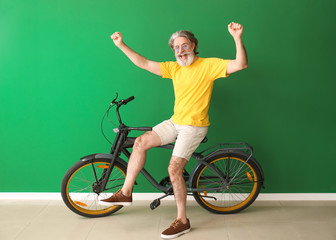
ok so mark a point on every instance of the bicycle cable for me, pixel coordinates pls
(108, 117)
(101, 125)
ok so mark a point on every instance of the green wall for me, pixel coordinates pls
(59, 69)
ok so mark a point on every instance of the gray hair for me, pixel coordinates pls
(183, 33)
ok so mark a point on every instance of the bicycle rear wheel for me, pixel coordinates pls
(78, 185)
(232, 198)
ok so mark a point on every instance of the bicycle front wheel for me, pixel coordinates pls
(238, 190)
(79, 183)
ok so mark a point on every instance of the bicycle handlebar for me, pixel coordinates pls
(121, 102)
(118, 104)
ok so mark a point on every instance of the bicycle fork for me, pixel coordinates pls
(115, 151)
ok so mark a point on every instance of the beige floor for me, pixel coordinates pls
(270, 220)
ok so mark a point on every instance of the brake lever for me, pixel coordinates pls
(114, 100)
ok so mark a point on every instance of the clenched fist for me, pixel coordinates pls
(235, 29)
(117, 39)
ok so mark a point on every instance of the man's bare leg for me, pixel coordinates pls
(175, 170)
(138, 158)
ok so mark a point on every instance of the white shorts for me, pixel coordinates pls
(186, 137)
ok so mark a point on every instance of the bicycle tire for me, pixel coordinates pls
(77, 187)
(235, 197)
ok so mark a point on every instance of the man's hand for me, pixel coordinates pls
(117, 39)
(236, 30)
(137, 59)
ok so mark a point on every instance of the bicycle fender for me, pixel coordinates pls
(103, 156)
(224, 151)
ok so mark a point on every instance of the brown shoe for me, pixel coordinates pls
(176, 229)
(117, 199)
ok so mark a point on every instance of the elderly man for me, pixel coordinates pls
(193, 79)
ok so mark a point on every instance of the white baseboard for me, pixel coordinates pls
(151, 196)
(297, 197)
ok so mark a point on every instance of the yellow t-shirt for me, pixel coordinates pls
(193, 86)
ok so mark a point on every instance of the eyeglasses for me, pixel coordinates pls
(184, 47)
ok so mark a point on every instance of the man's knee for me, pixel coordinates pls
(145, 141)
(172, 170)
(140, 143)
(175, 168)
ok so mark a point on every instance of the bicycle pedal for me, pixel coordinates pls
(155, 204)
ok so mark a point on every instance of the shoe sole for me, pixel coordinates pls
(175, 235)
(115, 203)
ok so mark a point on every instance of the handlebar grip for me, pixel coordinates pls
(128, 100)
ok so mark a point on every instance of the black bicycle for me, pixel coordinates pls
(226, 178)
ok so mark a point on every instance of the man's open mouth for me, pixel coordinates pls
(183, 56)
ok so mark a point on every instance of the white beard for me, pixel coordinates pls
(186, 62)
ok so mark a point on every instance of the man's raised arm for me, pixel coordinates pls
(137, 59)
(236, 30)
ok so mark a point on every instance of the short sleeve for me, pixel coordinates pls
(219, 67)
(167, 68)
